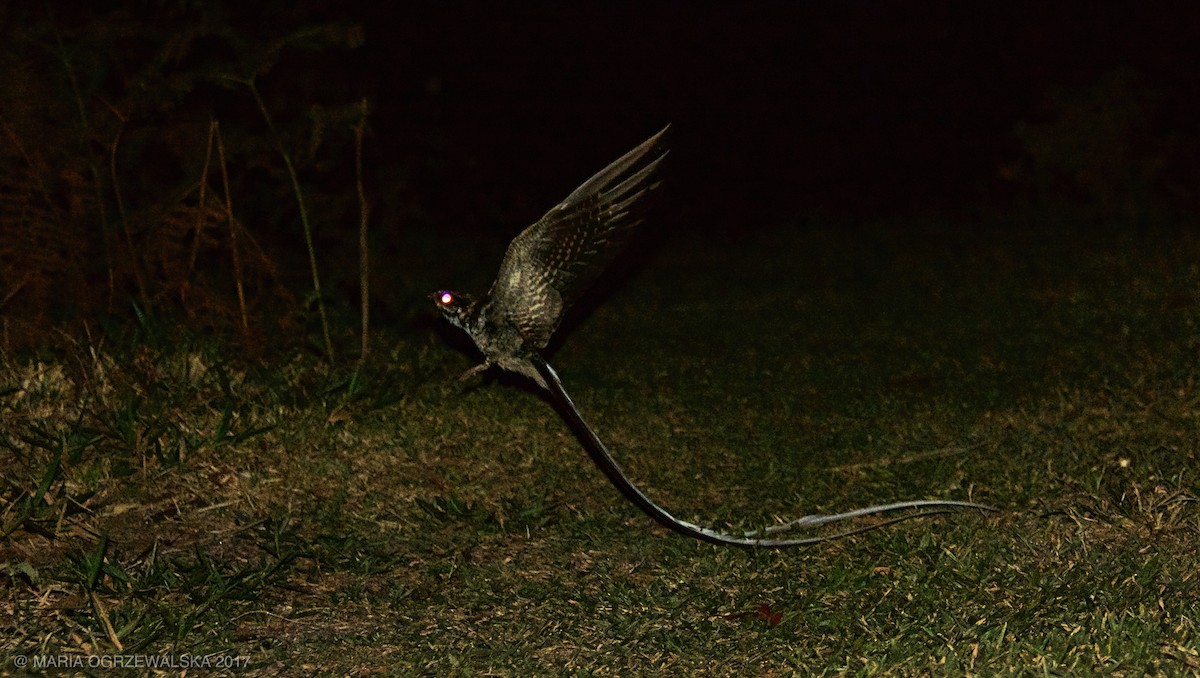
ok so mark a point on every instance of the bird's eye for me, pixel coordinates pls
(446, 298)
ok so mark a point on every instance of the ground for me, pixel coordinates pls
(165, 497)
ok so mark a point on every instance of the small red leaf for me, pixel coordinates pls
(763, 612)
(773, 618)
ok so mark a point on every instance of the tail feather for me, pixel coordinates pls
(752, 539)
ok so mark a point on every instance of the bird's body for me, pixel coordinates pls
(553, 261)
(546, 268)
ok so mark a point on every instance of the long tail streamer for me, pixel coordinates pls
(755, 538)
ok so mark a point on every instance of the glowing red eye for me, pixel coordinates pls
(447, 298)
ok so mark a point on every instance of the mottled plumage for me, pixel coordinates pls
(545, 270)
(551, 263)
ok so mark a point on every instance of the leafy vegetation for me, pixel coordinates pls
(134, 151)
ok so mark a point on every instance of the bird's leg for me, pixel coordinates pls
(478, 369)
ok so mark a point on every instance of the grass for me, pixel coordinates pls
(175, 500)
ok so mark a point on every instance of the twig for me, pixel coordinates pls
(108, 627)
(134, 259)
(364, 253)
(200, 212)
(213, 507)
(237, 262)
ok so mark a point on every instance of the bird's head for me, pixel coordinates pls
(456, 306)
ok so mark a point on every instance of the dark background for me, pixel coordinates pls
(483, 115)
(780, 109)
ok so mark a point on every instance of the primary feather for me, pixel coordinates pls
(551, 263)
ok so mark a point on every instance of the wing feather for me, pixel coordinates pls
(551, 263)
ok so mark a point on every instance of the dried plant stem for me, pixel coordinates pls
(201, 203)
(304, 222)
(134, 259)
(233, 241)
(364, 252)
(13, 292)
(102, 613)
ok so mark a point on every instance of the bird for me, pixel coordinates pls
(548, 265)
(546, 268)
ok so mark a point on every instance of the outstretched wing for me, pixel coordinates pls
(553, 261)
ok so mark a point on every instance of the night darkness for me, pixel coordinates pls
(485, 114)
(780, 110)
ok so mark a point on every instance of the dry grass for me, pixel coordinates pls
(382, 520)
